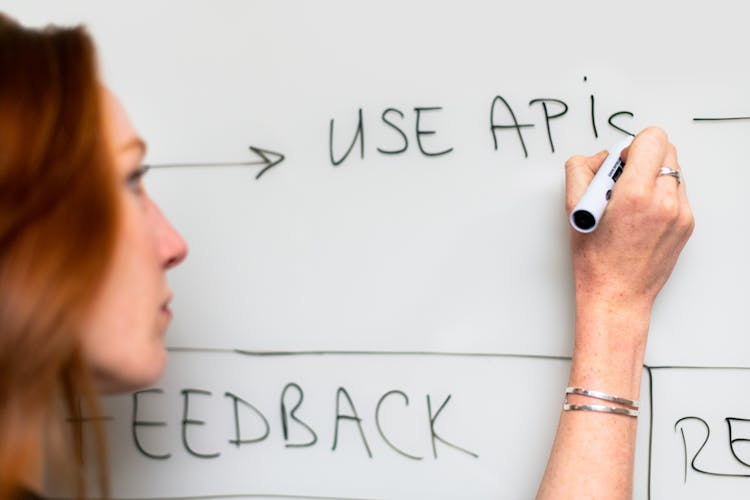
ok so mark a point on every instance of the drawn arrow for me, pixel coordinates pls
(269, 159)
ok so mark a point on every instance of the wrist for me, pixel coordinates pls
(614, 295)
(610, 344)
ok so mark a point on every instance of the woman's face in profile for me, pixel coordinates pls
(123, 339)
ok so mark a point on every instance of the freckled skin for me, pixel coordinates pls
(618, 271)
(123, 338)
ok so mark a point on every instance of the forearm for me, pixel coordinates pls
(618, 269)
(610, 342)
(593, 452)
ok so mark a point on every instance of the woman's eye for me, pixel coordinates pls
(134, 179)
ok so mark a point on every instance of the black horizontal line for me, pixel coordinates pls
(233, 495)
(261, 354)
(256, 353)
(202, 349)
(688, 367)
(722, 119)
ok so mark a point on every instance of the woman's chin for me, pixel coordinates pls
(132, 376)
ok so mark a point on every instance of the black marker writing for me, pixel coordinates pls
(548, 117)
(592, 105)
(268, 160)
(421, 132)
(516, 125)
(615, 115)
(397, 129)
(242, 422)
(77, 420)
(237, 441)
(691, 460)
(190, 421)
(723, 119)
(359, 135)
(380, 428)
(293, 415)
(354, 417)
(135, 423)
(434, 434)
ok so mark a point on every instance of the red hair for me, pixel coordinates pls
(58, 226)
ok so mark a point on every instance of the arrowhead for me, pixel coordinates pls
(270, 159)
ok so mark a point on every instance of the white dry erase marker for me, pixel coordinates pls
(585, 216)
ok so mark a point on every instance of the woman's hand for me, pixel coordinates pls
(618, 271)
(625, 262)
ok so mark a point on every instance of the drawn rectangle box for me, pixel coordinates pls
(700, 433)
(503, 409)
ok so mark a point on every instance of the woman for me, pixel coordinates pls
(83, 254)
(84, 302)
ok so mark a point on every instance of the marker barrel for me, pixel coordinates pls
(586, 215)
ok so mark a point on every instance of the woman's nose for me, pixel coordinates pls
(171, 244)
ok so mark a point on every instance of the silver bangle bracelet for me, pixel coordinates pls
(603, 396)
(601, 408)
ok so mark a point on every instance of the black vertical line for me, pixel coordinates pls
(593, 116)
(650, 428)
(684, 449)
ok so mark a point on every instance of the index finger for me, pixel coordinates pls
(643, 158)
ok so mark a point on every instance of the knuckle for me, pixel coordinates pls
(569, 204)
(570, 201)
(573, 162)
(688, 222)
(668, 210)
(636, 196)
(656, 134)
(671, 150)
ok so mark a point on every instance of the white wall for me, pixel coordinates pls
(458, 262)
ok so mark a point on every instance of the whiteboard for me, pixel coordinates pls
(411, 301)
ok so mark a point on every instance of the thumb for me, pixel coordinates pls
(579, 170)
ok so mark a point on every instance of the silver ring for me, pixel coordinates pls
(671, 172)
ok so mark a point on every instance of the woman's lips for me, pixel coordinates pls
(166, 309)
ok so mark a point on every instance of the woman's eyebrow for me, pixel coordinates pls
(135, 143)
